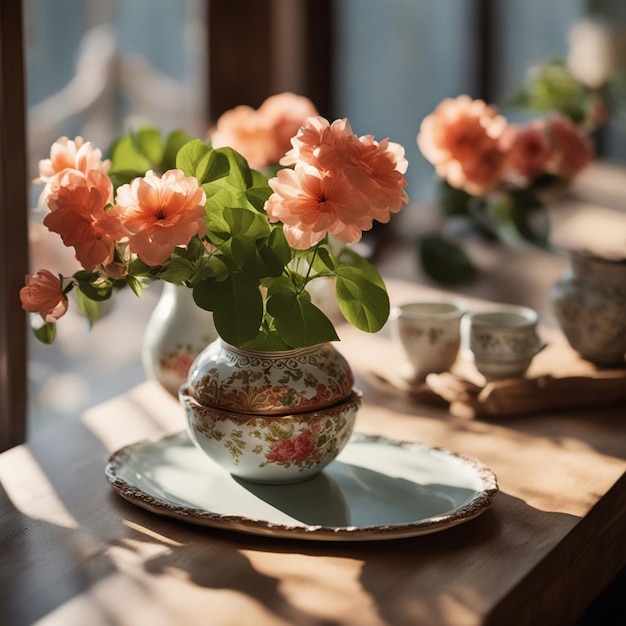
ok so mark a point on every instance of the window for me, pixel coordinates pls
(97, 66)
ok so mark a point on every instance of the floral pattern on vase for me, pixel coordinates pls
(296, 380)
(270, 448)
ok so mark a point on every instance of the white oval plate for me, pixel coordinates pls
(376, 489)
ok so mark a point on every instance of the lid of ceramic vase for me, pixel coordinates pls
(279, 383)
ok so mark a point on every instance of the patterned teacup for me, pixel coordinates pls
(504, 341)
(429, 333)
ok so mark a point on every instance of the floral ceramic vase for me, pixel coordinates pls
(270, 417)
(177, 331)
(590, 305)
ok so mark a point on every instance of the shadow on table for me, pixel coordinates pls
(401, 577)
(33, 587)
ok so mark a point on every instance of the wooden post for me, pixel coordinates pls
(13, 227)
(245, 37)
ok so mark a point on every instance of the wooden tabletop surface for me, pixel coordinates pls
(73, 552)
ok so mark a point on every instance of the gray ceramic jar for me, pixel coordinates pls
(589, 303)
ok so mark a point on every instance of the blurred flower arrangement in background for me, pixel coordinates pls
(248, 244)
(501, 175)
(263, 136)
(588, 86)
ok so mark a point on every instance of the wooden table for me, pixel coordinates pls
(72, 552)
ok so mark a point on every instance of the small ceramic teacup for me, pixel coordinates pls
(504, 341)
(429, 333)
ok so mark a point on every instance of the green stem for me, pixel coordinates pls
(308, 273)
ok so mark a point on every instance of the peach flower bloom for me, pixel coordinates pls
(378, 174)
(462, 138)
(322, 144)
(375, 169)
(311, 204)
(571, 148)
(78, 215)
(75, 154)
(240, 129)
(160, 213)
(529, 150)
(43, 294)
(262, 135)
(283, 115)
(339, 185)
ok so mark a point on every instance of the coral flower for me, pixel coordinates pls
(75, 154)
(375, 169)
(263, 135)
(482, 172)
(378, 173)
(78, 215)
(282, 115)
(311, 204)
(160, 213)
(528, 150)
(320, 143)
(571, 149)
(43, 294)
(462, 139)
(240, 129)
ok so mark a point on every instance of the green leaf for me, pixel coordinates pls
(245, 222)
(270, 342)
(362, 298)
(226, 169)
(85, 276)
(195, 247)
(297, 320)
(259, 192)
(138, 268)
(149, 144)
(174, 142)
(240, 175)
(237, 307)
(349, 258)
(209, 267)
(91, 309)
(218, 229)
(178, 271)
(241, 235)
(126, 159)
(217, 167)
(452, 201)
(219, 196)
(269, 263)
(324, 261)
(279, 245)
(518, 220)
(529, 217)
(98, 290)
(46, 333)
(198, 159)
(444, 261)
(242, 252)
(136, 285)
